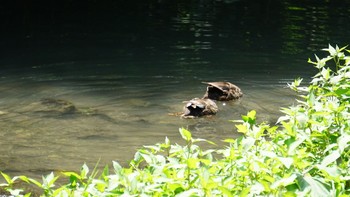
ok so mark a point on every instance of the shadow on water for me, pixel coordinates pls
(118, 71)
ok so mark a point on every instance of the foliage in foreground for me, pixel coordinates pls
(305, 154)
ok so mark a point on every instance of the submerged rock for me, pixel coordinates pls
(199, 107)
(222, 91)
(58, 106)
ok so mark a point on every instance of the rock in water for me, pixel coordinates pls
(58, 105)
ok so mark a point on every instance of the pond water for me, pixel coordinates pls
(125, 68)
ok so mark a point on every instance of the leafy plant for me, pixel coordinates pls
(306, 153)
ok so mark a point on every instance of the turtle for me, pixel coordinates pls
(222, 91)
(199, 107)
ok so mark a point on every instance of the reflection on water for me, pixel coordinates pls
(305, 23)
(125, 70)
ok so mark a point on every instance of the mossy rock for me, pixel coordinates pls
(51, 107)
(58, 106)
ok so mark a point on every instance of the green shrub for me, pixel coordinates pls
(305, 154)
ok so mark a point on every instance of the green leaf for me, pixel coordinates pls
(251, 114)
(72, 174)
(242, 128)
(283, 118)
(60, 192)
(290, 194)
(332, 157)
(176, 187)
(325, 73)
(49, 180)
(147, 158)
(203, 140)
(269, 154)
(192, 163)
(257, 188)
(245, 191)
(284, 181)
(84, 170)
(343, 142)
(342, 92)
(15, 192)
(332, 51)
(294, 145)
(225, 191)
(250, 117)
(27, 195)
(7, 178)
(312, 62)
(229, 140)
(101, 185)
(167, 141)
(37, 183)
(105, 173)
(185, 134)
(332, 171)
(73, 180)
(24, 178)
(288, 126)
(268, 178)
(247, 143)
(318, 188)
(287, 162)
(117, 167)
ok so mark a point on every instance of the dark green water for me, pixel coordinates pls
(126, 66)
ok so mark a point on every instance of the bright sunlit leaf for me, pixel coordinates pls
(192, 163)
(332, 157)
(7, 178)
(185, 134)
(84, 171)
(317, 187)
(325, 73)
(242, 128)
(287, 162)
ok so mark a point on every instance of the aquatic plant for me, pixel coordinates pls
(306, 153)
